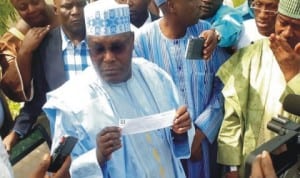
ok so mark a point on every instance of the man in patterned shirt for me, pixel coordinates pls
(61, 56)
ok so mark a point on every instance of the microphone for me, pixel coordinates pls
(291, 104)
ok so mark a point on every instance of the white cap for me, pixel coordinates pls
(105, 18)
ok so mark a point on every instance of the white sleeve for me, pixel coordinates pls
(86, 166)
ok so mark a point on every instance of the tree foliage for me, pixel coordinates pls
(8, 14)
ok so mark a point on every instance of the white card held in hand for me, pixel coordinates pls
(147, 123)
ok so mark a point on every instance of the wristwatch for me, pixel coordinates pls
(232, 168)
(218, 35)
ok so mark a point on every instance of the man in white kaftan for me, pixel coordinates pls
(119, 86)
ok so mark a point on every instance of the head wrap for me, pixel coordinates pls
(103, 18)
(290, 8)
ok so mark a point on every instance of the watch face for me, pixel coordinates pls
(218, 35)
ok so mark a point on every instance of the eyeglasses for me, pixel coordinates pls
(259, 8)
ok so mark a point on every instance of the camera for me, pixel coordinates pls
(288, 136)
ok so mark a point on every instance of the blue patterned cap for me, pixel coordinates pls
(103, 18)
(159, 2)
(290, 8)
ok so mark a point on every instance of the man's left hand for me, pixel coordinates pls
(211, 41)
(182, 122)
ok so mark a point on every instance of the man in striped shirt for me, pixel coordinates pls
(164, 43)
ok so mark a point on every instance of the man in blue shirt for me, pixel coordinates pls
(227, 21)
(164, 42)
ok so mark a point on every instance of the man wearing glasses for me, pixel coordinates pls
(263, 23)
(256, 80)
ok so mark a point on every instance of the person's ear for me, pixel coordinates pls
(55, 2)
(297, 48)
(170, 6)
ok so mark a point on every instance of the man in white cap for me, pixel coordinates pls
(257, 79)
(119, 89)
(164, 42)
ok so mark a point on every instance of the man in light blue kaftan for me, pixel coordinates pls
(195, 79)
(119, 86)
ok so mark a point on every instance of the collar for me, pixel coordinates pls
(66, 41)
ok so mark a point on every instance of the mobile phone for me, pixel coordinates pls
(194, 48)
(61, 152)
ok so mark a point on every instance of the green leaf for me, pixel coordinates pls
(8, 15)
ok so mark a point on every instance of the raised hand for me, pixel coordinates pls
(287, 57)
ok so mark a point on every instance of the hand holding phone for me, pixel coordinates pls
(59, 155)
(194, 48)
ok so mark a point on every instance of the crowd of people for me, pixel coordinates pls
(114, 74)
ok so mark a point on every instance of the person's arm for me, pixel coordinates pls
(209, 121)
(86, 165)
(63, 121)
(23, 124)
(231, 131)
(11, 81)
(30, 111)
(182, 133)
(229, 24)
(25, 54)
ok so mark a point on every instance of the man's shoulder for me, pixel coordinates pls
(255, 47)
(54, 34)
(75, 91)
(53, 38)
(227, 9)
(148, 28)
(247, 54)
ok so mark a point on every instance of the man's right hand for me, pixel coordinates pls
(108, 141)
(262, 166)
(33, 38)
(10, 140)
(41, 170)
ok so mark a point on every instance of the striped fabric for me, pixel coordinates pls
(76, 58)
(195, 79)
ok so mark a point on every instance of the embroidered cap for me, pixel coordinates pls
(159, 2)
(290, 8)
(103, 18)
